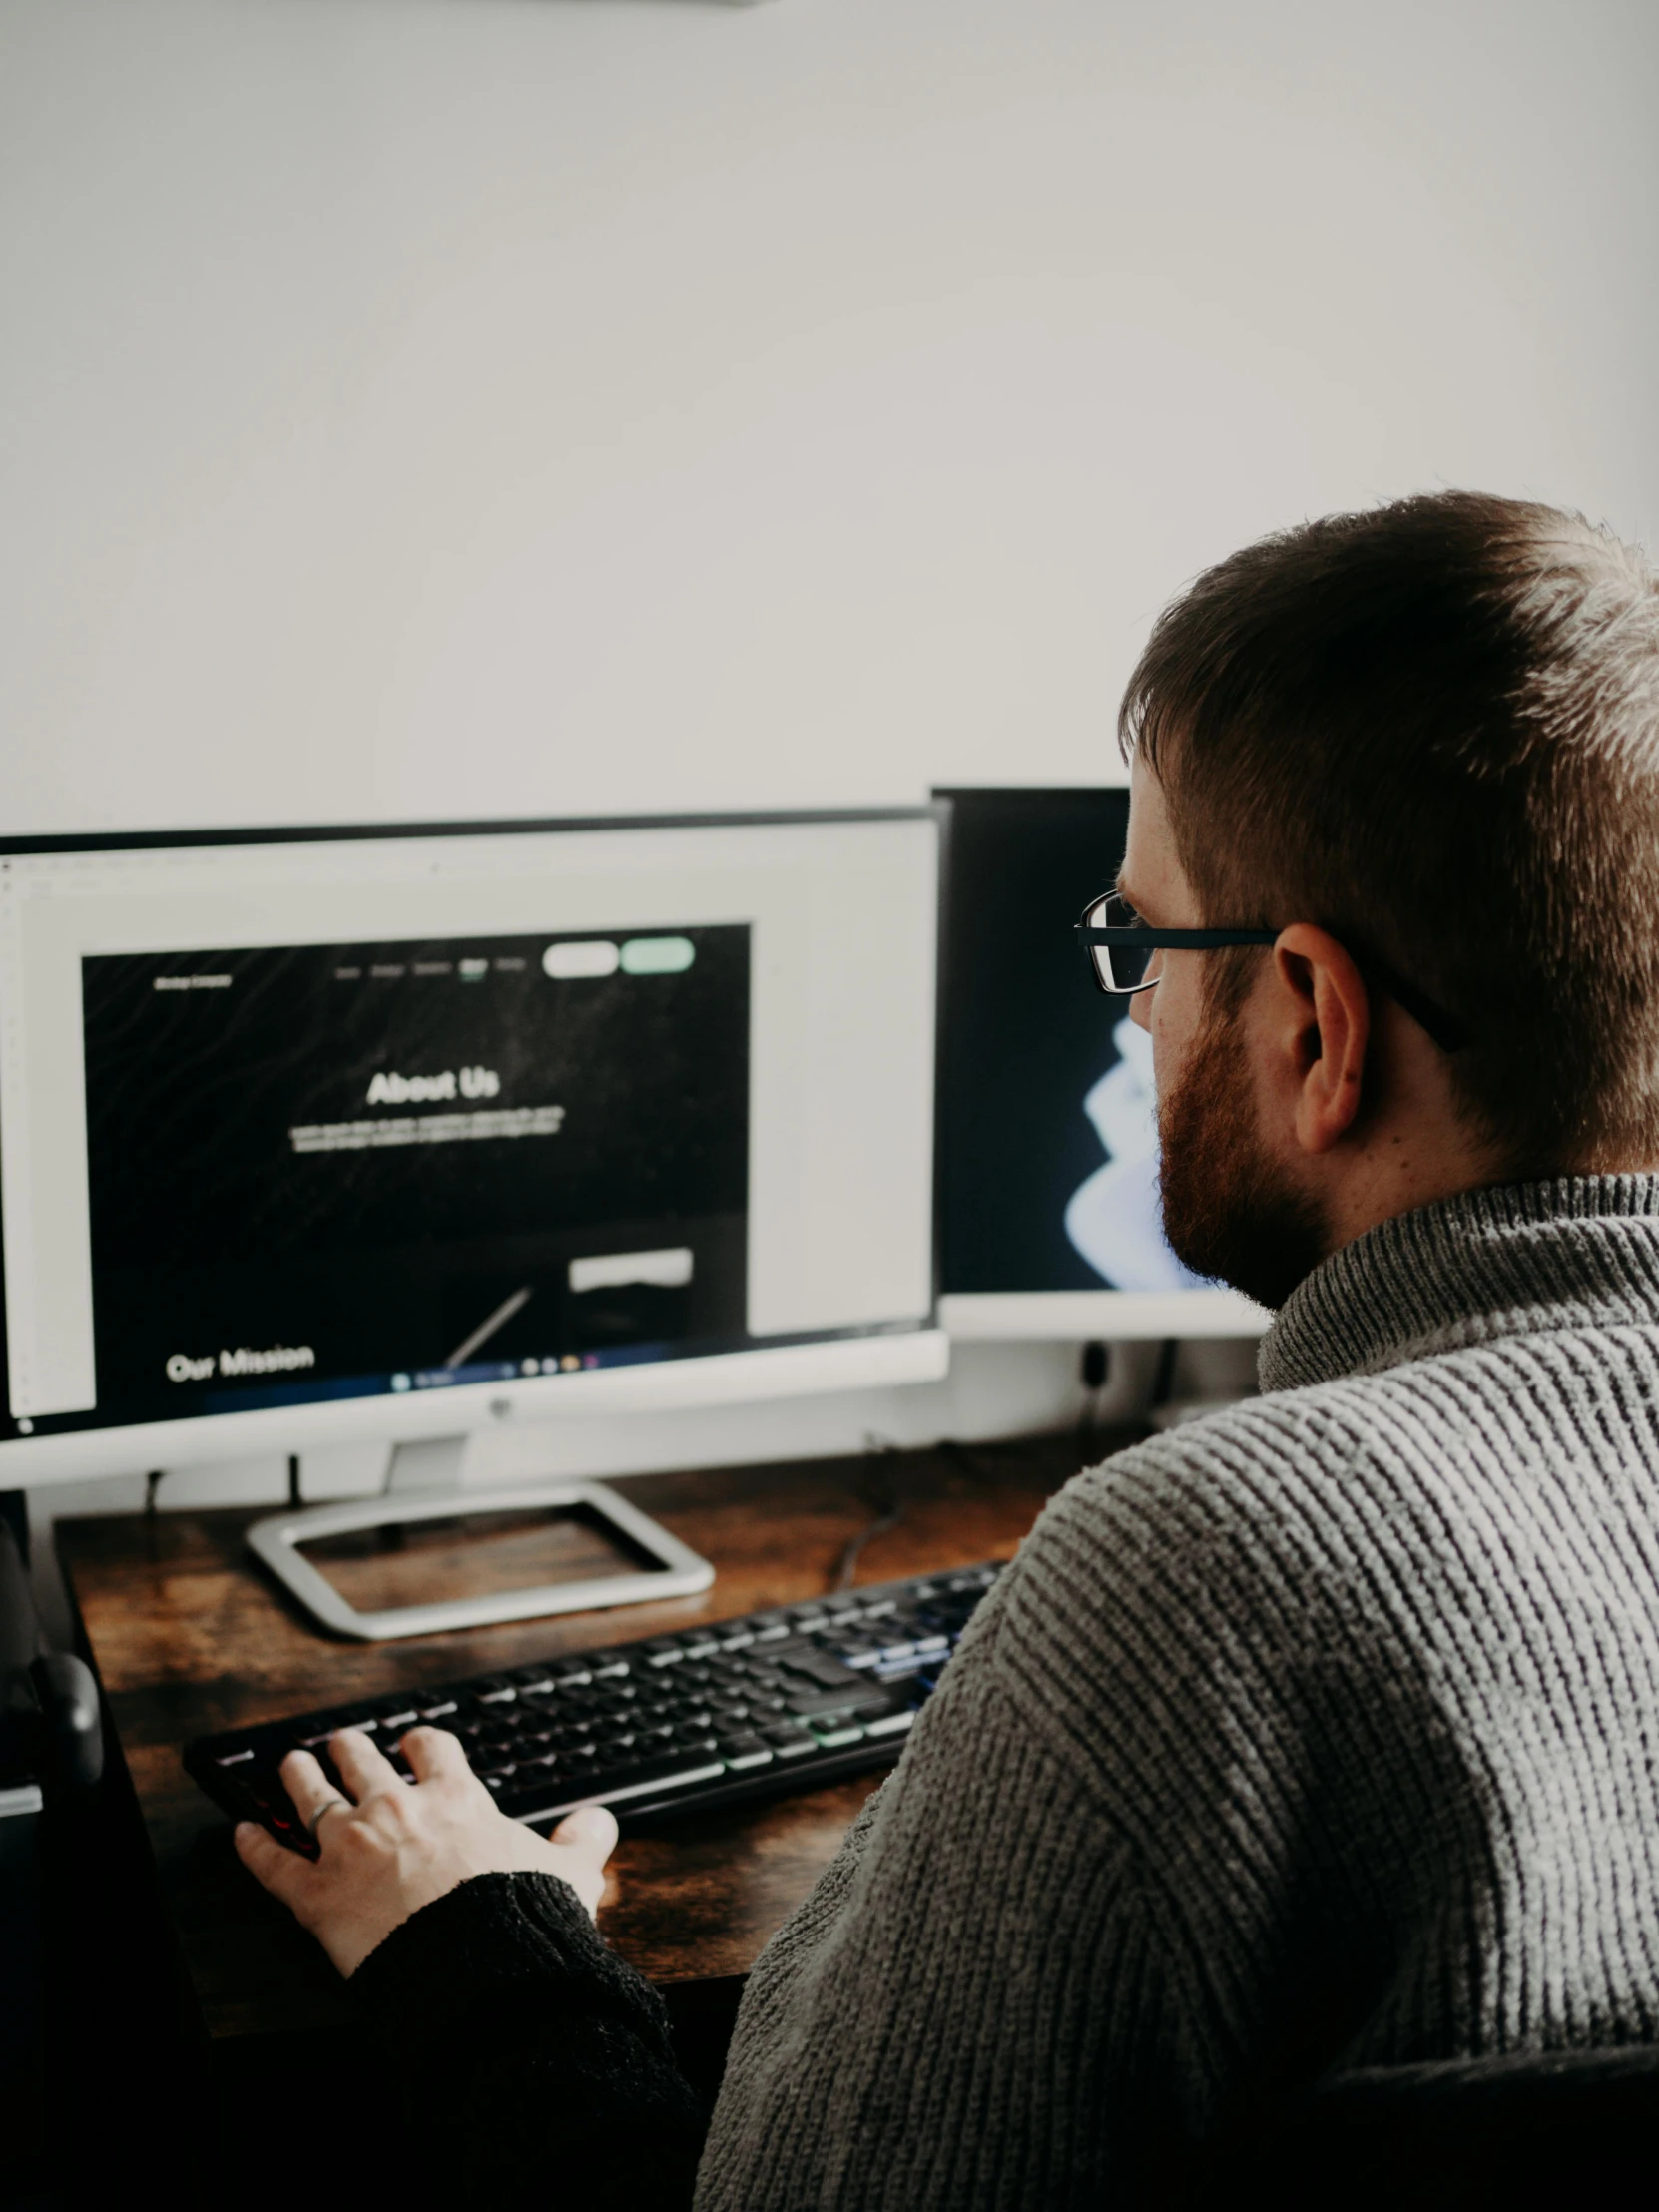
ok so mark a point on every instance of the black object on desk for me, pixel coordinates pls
(50, 1743)
(50, 1733)
(51, 1759)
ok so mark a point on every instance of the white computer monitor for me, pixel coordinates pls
(310, 1136)
(1048, 1132)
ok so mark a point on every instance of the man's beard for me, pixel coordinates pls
(1229, 1211)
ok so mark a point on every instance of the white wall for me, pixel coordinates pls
(431, 407)
(422, 406)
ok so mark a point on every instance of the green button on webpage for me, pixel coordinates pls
(657, 955)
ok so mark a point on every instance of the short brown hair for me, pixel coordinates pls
(1434, 729)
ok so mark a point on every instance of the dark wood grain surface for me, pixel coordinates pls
(190, 1636)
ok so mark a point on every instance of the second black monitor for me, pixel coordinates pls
(1047, 1116)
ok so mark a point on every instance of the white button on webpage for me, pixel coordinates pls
(584, 956)
(669, 1270)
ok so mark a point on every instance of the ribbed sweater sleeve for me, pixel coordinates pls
(537, 2067)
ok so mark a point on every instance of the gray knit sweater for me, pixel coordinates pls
(1323, 1731)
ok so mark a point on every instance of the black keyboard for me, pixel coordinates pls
(711, 1716)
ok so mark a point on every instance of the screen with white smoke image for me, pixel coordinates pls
(1047, 1114)
(1114, 1218)
(352, 1161)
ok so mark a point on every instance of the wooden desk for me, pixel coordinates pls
(190, 1636)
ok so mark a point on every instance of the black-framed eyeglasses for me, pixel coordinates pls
(1119, 948)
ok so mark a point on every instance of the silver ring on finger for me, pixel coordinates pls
(328, 1805)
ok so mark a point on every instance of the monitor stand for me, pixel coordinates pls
(423, 1486)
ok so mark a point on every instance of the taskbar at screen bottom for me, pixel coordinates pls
(208, 1400)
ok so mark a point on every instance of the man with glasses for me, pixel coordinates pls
(1315, 1735)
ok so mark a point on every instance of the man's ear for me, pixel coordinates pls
(1324, 1033)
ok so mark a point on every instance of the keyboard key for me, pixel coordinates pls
(743, 1751)
(789, 1743)
(832, 1739)
(890, 1723)
(827, 1672)
(331, 1723)
(859, 1696)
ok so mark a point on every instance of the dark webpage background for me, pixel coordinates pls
(210, 1231)
(1025, 1033)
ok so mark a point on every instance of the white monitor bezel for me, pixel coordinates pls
(876, 1361)
(847, 1360)
(1111, 1317)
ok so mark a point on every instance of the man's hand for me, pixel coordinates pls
(400, 1845)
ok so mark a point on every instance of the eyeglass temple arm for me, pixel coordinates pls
(1446, 1029)
(1199, 940)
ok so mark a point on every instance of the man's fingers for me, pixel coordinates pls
(584, 1841)
(591, 1830)
(362, 1767)
(308, 1785)
(435, 1754)
(284, 1872)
